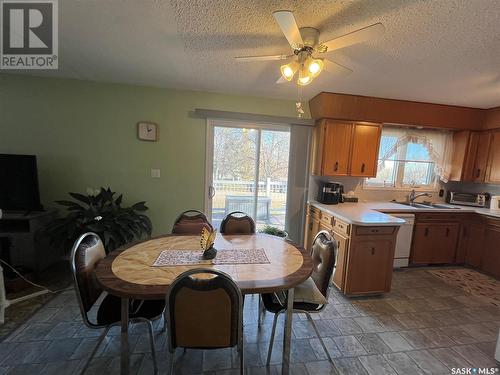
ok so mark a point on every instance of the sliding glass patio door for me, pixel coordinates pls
(247, 170)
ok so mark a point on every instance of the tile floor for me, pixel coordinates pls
(423, 326)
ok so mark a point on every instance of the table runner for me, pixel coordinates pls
(224, 256)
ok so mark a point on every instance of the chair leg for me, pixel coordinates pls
(99, 341)
(261, 312)
(172, 362)
(319, 337)
(152, 343)
(271, 342)
(242, 357)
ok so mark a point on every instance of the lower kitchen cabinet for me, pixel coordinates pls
(340, 263)
(369, 266)
(364, 253)
(490, 260)
(434, 242)
(472, 241)
(312, 226)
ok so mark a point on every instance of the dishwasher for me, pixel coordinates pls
(403, 240)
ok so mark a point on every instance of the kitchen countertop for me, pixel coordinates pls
(378, 213)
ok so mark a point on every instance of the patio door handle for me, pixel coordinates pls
(211, 192)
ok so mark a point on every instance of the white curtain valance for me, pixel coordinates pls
(438, 144)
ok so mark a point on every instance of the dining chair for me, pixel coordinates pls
(191, 222)
(237, 222)
(311, 296)
(204, 313)
(86, 252)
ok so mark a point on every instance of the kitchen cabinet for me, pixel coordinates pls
(365, 146)
(481, 159)
(364, 254)
(342, 148)
(490, 259)
(369, 265)
(336, 151)
(312, 226)
(435, 239)
(493, 169)
(471, 156)
(471, 242)
(342, 248)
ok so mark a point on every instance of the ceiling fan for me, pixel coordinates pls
(305, 42)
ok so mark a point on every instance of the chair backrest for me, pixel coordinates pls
(86, 252)
(204, 312)
(237, 222)
(324, 256)
(191, 222)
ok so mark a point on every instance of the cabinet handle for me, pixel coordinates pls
(373, 251)
(311, 225)
(363, 168)
(426, 233)
(478, 172)
(336, 168)
(447, 232)
(465, 232)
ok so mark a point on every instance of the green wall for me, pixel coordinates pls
(84, 135)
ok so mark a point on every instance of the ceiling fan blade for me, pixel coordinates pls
(287, 23)
(262, 58)
(333, 67)
(358, 36)
(281, 80)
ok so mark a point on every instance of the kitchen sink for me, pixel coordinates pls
(428, 205)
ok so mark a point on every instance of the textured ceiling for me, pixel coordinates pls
(443, 51)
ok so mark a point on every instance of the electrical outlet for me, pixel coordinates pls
(155, 173)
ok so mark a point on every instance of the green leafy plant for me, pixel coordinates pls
(99, 212)
(269, 229)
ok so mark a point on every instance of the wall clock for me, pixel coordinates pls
(147, 131)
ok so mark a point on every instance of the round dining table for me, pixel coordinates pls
(130, 273)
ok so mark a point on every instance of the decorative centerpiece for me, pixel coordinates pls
(207, 243)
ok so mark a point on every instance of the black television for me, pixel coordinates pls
(19, 183)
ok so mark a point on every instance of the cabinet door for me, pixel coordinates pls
(490, 261)
(475, 243)
(422, 244)
(493, 174)
(339, 272)
(444, 240)
(481, 159)
(369, 266)
(336, 148)
(364, 153)
(459, 158)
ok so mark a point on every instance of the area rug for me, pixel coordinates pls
(472, 282)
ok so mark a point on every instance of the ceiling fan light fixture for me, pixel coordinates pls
(304, 77)
(289, 70)
(315, 67)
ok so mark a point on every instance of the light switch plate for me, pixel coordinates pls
(155, 173)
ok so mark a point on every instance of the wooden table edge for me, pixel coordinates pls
(126, 289)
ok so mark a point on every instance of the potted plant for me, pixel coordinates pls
(274, 231)
(99, 212)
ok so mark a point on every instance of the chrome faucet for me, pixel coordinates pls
(413, 195)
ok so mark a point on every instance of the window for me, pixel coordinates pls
(411, 159)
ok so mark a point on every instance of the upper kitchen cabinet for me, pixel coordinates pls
(343, 148)
(493, 169)
(470, 156)
(365, 145)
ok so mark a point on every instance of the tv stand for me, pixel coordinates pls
(24, 249)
